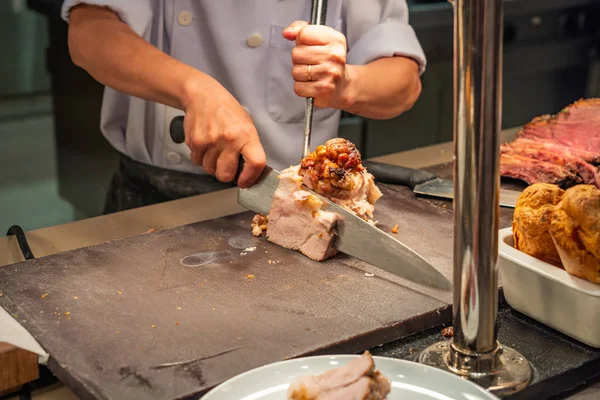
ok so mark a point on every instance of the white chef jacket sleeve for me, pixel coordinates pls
(379, 28)
(135, 13)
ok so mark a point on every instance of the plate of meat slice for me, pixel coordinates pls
(347, 377)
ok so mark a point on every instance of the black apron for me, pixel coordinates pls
(136, 185)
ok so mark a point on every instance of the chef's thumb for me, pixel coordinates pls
(291, 32)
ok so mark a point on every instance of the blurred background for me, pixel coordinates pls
(55, 165)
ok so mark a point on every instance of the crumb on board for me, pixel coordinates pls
(448, 332)
(44, 295)
(119, 292)
(75, 297)
(1, 294)
(151, 230)
(153, 326)
(395, 228)
(259, 224)
(69, 318)
(214, 309)
(67, 313)
(369, 275)
(179, 308)
(176, 322)
(250, 276)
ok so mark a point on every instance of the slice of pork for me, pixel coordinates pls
(357, 380)
(296, 220)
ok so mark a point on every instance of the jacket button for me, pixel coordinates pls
(173, 158)
(185, 18)
(254, 40)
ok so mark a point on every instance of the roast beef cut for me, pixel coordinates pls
(296, 219)
(357, 380)
(560, 149)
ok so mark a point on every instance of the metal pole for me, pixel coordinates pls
(474, 351)
(318, 16)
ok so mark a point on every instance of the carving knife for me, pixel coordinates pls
(426, 183)
(356, 237)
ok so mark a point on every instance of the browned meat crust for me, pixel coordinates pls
(531, 221)
(569, 140)
(575, 229)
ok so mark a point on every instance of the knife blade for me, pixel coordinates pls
(426, 183)
(356, 237)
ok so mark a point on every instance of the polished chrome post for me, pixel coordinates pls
(318, 16)
(474, 351)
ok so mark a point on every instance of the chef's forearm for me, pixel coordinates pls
(117, 57)
(382, 89)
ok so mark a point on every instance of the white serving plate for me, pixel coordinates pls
(549, 294)
(410, 380)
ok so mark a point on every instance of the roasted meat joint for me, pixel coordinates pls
(562, 149)
(297, 219)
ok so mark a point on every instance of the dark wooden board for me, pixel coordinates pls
(115, 315)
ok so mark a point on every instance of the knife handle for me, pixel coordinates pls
(396, 175)
(178, 136)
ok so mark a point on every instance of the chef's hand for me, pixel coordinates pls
(324, 49)
(217, 130)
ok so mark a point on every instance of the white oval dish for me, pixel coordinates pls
(410, 380)
(549, 294)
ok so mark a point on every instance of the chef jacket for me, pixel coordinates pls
(240, 44)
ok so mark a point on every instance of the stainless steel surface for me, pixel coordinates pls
(474, 351)
(258, 198)
(444, 188)
(356, 237)
(318, 17)
(548, 294)
(477, 113)
(514, 367)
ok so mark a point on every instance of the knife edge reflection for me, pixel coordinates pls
(356, 237)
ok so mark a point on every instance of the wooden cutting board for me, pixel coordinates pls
(135, 318)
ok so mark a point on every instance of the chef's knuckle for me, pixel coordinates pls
(257, 162)
(334, 73)
(225, 176)
(197, 142)
(337, 56)
(230, 135)
(296, 54)
(325, 87)
(340, 38)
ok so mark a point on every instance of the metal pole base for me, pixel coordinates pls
(503, 372)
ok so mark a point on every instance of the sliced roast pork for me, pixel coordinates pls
(296, 219)
(357, 380)
(563, 149)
